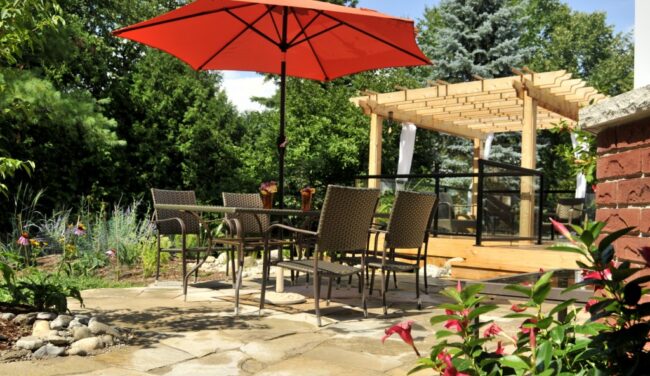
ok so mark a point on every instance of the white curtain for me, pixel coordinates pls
(581, 181)
(406, 147)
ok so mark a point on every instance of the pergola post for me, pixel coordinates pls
(528, 160)
(478, 152)
(374, 162)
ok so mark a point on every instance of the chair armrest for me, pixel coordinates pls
(177, 219)
(290, 228)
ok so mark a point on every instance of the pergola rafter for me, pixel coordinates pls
(524, 103)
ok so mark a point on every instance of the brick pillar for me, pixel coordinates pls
(623, 191)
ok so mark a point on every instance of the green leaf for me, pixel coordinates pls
(514, 361)
(541, 293)
(568, 248)
(480, 310)
(471, 290)
(452, 293)
(609, 239)
(557, 334)
(423, 363)
(440, 334)
(561, 306)
(440, 318)
(526, 291)
(543, 355)
(518, 315)
(544, 279)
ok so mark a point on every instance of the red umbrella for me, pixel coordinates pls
(299, 38)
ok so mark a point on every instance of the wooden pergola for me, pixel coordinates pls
(525, 103)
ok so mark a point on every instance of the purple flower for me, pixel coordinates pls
(80, 230)
(24, 239)
(111, 253)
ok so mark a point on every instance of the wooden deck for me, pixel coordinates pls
(496, 258)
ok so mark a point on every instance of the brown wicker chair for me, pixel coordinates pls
(245, 233)
(408, 228)
(174, 222)
(344, 223)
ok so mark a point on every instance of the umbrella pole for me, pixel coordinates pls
(281, 138)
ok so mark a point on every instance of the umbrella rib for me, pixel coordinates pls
(378, 38)
(318, 14)
(308, 38)
(248, 26)
(253, 28)
(181, 18)
(311, 46)
(277, 31)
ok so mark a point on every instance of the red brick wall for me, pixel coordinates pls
(623, 192)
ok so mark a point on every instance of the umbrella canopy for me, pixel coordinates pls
(299, 38)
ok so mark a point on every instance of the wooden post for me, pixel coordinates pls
(374, 162)
(478, 152)
(528, 160)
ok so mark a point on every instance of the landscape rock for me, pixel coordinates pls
(48, 351)
(56, 339)
(75, 324)
(62, 321)
(85, 346)
(81, 332)
(83, 319)
(7, 316)
(29, 343)
(107, 340)
(41, 328)
(45, 316)
(14, 354)
(97, 327)
(25, 318)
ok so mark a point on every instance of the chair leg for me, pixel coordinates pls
(372, 281)
(426, 281)
(263, 291)
(240, 270)
(196, 272)
(317, 297)
(329, 290)
(385, 278)
(184, 274)
(417, 287)
(394, 280)
(158, 265)
(232, 265)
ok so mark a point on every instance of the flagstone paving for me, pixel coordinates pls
(201, 336)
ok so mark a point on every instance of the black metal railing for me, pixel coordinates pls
(492, 179)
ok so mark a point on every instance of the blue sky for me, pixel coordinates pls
(240, 86)
(620, 13)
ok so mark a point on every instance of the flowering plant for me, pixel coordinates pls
(268, 187)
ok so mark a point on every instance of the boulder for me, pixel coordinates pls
(84, 319)
(14, 354)
(107, 340)
(85, 346)
(25, 318)
(45, 316)
(81, 332)
(29, 343)
(41, 328)
(7, 316)
(48, 351)
(55, 339)
(97, 327)
(62, 321)
(75, 324)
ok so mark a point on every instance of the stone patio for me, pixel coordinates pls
(203, 337)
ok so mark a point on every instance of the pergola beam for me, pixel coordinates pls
(546, 99)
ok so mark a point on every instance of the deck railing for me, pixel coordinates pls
(496, 186)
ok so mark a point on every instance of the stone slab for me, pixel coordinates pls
(356, 359)
(222, 364)
(144, 359)
(284, 347)
(201, 343)
(300, 366)
(113, 371)
(627, 107)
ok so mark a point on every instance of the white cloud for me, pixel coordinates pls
(241, 86)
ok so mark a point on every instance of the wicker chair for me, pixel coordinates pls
(568, 211)
(408, 228)
(245, 233)
(344, 223)
(173, 222)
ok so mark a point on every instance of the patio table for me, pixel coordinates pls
(279, 281)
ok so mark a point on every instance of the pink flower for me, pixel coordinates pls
(492, 330)
(80, 230)
(645, 253)
(533, 339)
(517, 308)
(454, 324)
(527, 283)
(590, 303)
(23, 239)
(561, 229)
(527, 329)
(111, 253)
(404, 331)
(449, 370)
(500, 349)
(459, 287)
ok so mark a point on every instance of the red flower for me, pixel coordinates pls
(533, 339)
(517, 308)
(500, 349)
(455, 324)
(492, 330)
(528, 329)
(449, 370)
(598, 276)
(561, 229)
(459, 287)
(590, 303)
(645, 253)
(404, 331)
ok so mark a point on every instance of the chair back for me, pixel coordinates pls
(162, 196)
(346, 218)
(410, 219)
(249, 224)
(569, 209)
